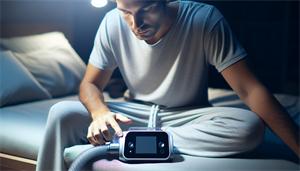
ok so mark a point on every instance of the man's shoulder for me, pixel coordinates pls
(112, 22)
(113, 15)
(196, 5)
(199, 8)
(198, 11)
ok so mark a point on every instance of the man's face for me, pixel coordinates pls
(144, 17)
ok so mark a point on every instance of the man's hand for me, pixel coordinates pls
(90, 94)
(101, 124)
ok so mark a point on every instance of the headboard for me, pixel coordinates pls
(24, 29)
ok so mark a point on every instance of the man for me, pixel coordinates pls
(163, 50)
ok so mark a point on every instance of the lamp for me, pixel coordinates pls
(99, 3)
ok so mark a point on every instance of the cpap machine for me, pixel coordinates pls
(147, 144)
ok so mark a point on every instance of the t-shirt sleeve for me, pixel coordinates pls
(221, 47)
(101, 56)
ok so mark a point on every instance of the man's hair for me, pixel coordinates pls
(144, 0)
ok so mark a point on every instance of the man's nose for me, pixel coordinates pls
(137, 21)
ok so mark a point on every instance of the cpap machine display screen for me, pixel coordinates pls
(145, 145)
(150, 145)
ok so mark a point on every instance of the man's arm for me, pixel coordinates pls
(90, 94)
(263, 103)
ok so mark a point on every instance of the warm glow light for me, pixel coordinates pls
(99, 3)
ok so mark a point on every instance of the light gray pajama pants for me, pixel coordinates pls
(208, 132)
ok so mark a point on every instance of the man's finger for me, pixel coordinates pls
(122, 118)
(91, 138)
(98, 136)
(105, 131)
(115, 126)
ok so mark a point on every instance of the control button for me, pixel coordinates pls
(161, 144)
(162, 151)
(130, 151)
(130, 145)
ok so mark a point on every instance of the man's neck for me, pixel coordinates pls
(172, 11)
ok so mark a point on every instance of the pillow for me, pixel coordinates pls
(25, 44)
(51, 60)
(17, 85)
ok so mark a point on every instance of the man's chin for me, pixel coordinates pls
(143, 37)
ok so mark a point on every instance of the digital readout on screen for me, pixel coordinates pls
(145, 145)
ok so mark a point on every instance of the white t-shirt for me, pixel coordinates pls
(174, 71)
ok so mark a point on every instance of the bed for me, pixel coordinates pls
(25, 103)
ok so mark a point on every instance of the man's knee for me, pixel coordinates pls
(245, 129)
(66, 111)
(253, 131)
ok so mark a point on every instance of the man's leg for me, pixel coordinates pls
(214, 131)
(68, 123)
(66, 126)
(208, 132)
(211, 132)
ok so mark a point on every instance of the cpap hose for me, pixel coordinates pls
(92, 152)
(87, 155)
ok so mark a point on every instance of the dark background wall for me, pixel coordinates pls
(268, 30)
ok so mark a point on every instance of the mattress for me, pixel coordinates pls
(23, 126)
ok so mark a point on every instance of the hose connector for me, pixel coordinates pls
(113, 148)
